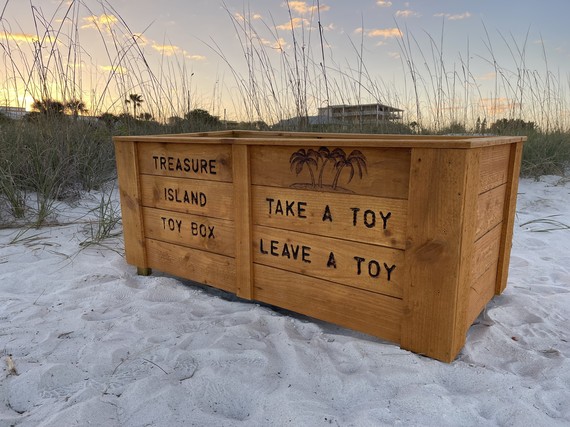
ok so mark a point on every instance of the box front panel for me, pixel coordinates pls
(360, 265)
(329, 230)
(368, 219)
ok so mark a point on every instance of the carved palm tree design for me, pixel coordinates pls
(326, 156)
(304, 157)
(319, 160)
(354, 161)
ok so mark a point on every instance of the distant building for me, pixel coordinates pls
(13, 112)
(359, 114)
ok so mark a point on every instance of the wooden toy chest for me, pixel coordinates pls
(403, 237)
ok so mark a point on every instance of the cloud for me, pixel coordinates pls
(488, 76)
(387, 33)
(383, 3)
(279, 44)
(406, 14)
(97, 22)
(114, 69)
(302, 8)
(18, 37)
(498, 106)
(295, 23)
(451, 17)
(166, 49)
(194, 57)
(255, 17)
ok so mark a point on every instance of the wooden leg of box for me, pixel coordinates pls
(129, 188)
(144, 271)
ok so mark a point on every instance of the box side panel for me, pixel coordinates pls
(368, 312)
(509, 216)
(198, 232)
(193, 196)
(132, 218)
(494, 231)
(490, 206)
(494, 167)
(483, 272)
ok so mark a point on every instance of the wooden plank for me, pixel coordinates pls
(382, 172)
(509, 216)
(441, 231)
(368, 312)
(481, 292)
(208, 198)
(129, 190)
(242, 197)
(490, 210)
(494, 167)
(192, 264)
(345, 140)
(486, 252)
(346, 216)
(209, 234)
(196, 161)
(369, 267)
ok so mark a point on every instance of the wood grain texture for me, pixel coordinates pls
(385, 172)
(441, 231)
(195, 161)
(243, 222)
(480, 293)
(192, 264)
(129, 190)
(490, 206)
(344, 216)
(199, 232)
(486, 252)
(368, 312)
(509, 216)
(494, 167)
(370, 267)
(193, 196)
(300, 139)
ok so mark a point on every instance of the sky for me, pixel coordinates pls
(451, 59)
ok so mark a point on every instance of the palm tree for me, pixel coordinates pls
(304, 157)
(136, 100)
(326, 156)
(49, 106)
(76, 106)
(355, 158)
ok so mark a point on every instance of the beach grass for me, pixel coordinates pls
(65, 148)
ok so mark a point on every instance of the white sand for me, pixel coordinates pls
(95, 344)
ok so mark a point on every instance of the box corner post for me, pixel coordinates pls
(440, 234)
(131, 209)
(243, 221)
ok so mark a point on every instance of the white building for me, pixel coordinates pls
(361, 114)
(13, 112)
